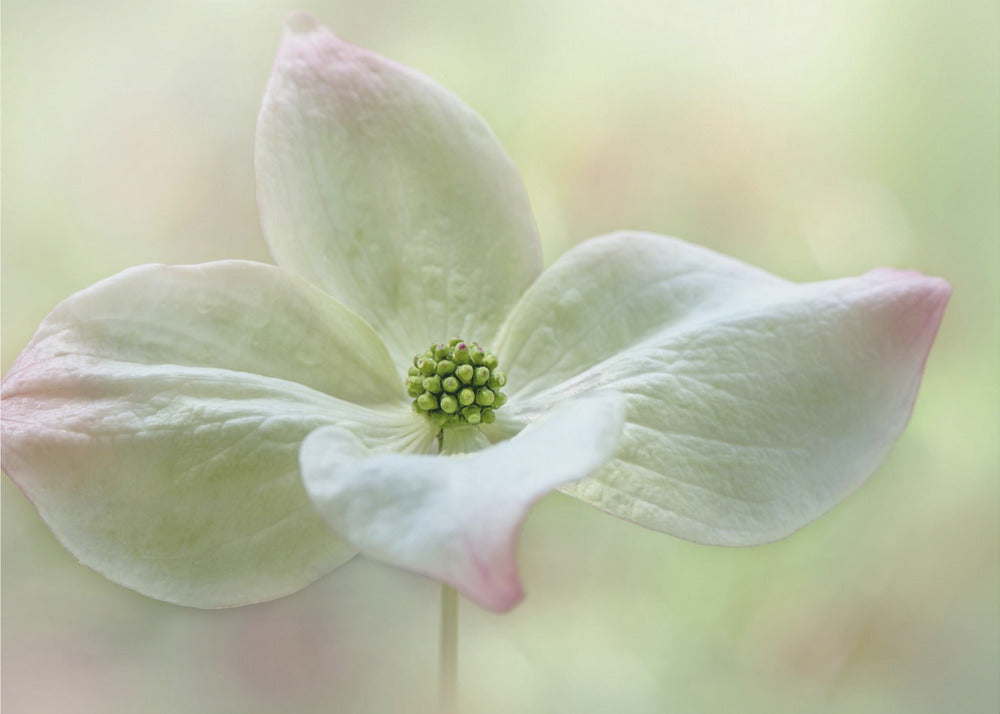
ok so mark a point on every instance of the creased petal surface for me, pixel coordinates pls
(387, 191)
(755, 404)
(154, 424)
(456, 518)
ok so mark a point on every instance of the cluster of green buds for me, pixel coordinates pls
(456, 383)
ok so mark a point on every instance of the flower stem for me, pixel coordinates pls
(449, 650)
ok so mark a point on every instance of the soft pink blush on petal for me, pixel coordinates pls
(903, 310)
(910, 320)
(918, 319)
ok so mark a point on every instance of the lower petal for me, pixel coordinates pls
(182, 483)
(456, 518)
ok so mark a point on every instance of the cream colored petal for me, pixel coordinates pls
(755, 404)
(456, 518)
(384, 189)
(154, 423)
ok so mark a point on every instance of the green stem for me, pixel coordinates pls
(451, 441)
(449, 650)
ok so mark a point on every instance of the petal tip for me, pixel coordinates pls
(300, 22)
(506, 602)
(497, 597)
(919, 300)
(934, 287)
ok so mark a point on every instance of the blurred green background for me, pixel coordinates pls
(814, 139)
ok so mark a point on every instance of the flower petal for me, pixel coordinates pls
(456, 518)
(755, 404)
(153, 423)
(384, 189)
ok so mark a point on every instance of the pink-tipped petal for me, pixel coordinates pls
(755, 404)
(155, 420)
(456, 518)
(384, 189)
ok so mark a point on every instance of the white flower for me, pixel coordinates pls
(222, 434)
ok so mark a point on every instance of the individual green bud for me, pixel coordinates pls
(450, 384)
(482, 376)
(426, 366)
(466, 397)
(497, 379)
(440, 352)
(484, 397)
(413, 371)
(499, 399)
(414, 386)
(488, 416)
(472, 415)
(490, 360)
(445, 367)
(449, 404)
(461, 355)
(477, 353)
(454, 341)
(438, 419)
(465, 372)
(432, 384)
(426, 401)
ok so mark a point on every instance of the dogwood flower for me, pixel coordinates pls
(408, 381)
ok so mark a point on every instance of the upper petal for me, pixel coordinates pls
(755, 404)
(387, 191)
(154, 424)
(456, 518)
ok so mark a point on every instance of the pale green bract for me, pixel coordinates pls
(222, 434)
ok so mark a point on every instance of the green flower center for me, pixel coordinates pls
(456, 384)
